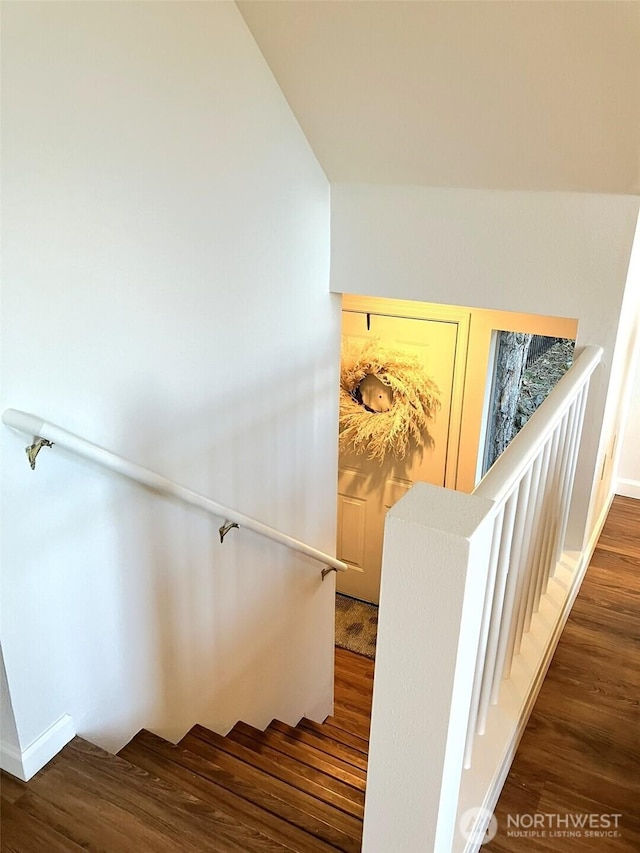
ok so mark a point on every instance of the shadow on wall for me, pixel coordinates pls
(199, 638)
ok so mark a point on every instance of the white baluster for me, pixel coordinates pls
(550, 512)
(530, 538)
(580, 405)
(563, 462)
(539, 536)
(484, 633)
(505, 644)
(506, 539)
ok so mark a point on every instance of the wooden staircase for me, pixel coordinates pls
(296, 789)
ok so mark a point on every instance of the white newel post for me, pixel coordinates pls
(435, 563)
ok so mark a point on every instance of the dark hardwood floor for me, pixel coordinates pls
(302, 789)
(580, 753)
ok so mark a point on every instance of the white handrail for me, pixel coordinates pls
(507, 470)
(39, 428)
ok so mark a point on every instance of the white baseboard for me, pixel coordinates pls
(25, 764)
(628, 488)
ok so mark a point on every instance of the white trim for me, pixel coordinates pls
(628, 488)
(23, 765)
(502, 771)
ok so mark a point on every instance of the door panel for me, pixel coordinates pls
(366, 489)
(352, 521)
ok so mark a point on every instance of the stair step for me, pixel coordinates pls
(355, 705)
(193, 774)
(360, 667)
(290, 802)
(356, 669)
(290, 741)
(354, 695)
(353, 662)
(331, 729)
(354, 689)
(86, 794)
(351, 720)
(293, 774)
(324, 743)
(337, 792)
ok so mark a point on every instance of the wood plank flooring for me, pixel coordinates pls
(302, 789)
(580, 753)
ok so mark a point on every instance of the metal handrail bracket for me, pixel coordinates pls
(48, 434)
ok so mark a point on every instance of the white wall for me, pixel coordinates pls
(166, 258)
(625, 458)
(628, 482)
(559, 254)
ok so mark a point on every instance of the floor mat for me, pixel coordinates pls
(356, 625)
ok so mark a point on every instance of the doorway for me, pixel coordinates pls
(436, 337)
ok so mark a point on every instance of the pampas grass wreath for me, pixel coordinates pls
(415, 400)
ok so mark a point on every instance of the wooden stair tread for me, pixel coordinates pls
(326, 745)
(299, 807)
(331, 729)
(353, 661)
(351, 720)
(287, 741)
(290, 771)
(291, 777)
(351, 697)
(353, 677)
(356, 687)
(195, 775)
(324, 786)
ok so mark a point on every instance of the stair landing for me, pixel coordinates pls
(297, 789)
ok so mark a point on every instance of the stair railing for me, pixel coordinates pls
(531, 486)
(475, 592)
(47, 435)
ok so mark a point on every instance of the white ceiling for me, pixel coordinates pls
(509, 95)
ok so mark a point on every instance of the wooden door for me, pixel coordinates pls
(366, 488)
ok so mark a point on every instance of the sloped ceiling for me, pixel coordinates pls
(506, 95)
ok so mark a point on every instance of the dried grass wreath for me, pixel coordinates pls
(414, 401)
